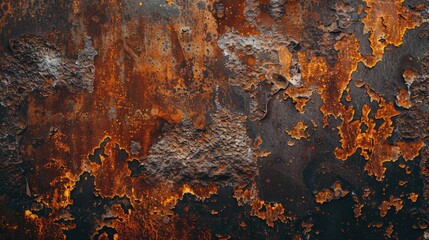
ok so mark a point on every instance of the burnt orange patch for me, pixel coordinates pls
(299, 131)
(386, 22)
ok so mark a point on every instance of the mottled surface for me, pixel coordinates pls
(214, 119)
(223, 153)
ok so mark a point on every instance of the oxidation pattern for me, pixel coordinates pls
(214, 119)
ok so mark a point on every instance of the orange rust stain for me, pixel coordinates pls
(285, 60)
(373, 140)
(222, 237)
(408, 170)
(393, 202)
(366, 192)
(359, 10)
(376, 225)
(299, 131)
(332, 89)
(139, 87)
(258, 152)
(250, 60)
(329, 81)
(313, 72)
(413, 197)
(357, 210)
(151, 204)
(59, 181)
(329, 194)
(154, 207)
(104, 183)
(262, 154)
(409, 75)
(402, 183)
(243, 224)
(59, 142)
(75, 6)
(270, 212)
(158, 91)
(293, 20)
(200, 192)
(422, 225)
(389, 230)
(410, 150)
(300, 103)
(307, 228)
(169, 2)
(30, 215)
(386, 21)
(40, 226)
(230, 16)
(213, 212)
(348, 97)
(403, 99)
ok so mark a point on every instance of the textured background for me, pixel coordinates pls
(228, 119)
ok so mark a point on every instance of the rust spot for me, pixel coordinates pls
(270, 212)
(403, 99)
(329, 194)
(299, 131)
(357, 210)
(389, 230)
(413, 197)
(393, 202)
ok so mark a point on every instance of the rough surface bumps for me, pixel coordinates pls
(222, 153)
(37, 65)
(40, 64)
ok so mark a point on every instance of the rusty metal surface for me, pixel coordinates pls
(214, 119)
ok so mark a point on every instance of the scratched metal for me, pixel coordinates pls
(214, 119)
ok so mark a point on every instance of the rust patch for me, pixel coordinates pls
(386, 22)
(299, 131)
(393, 202)
(270, 212)
(329, 194)
(357, 210)
(403, 99)
(413, 197)
(373, 139)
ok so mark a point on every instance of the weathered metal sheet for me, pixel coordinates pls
(214, 119)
